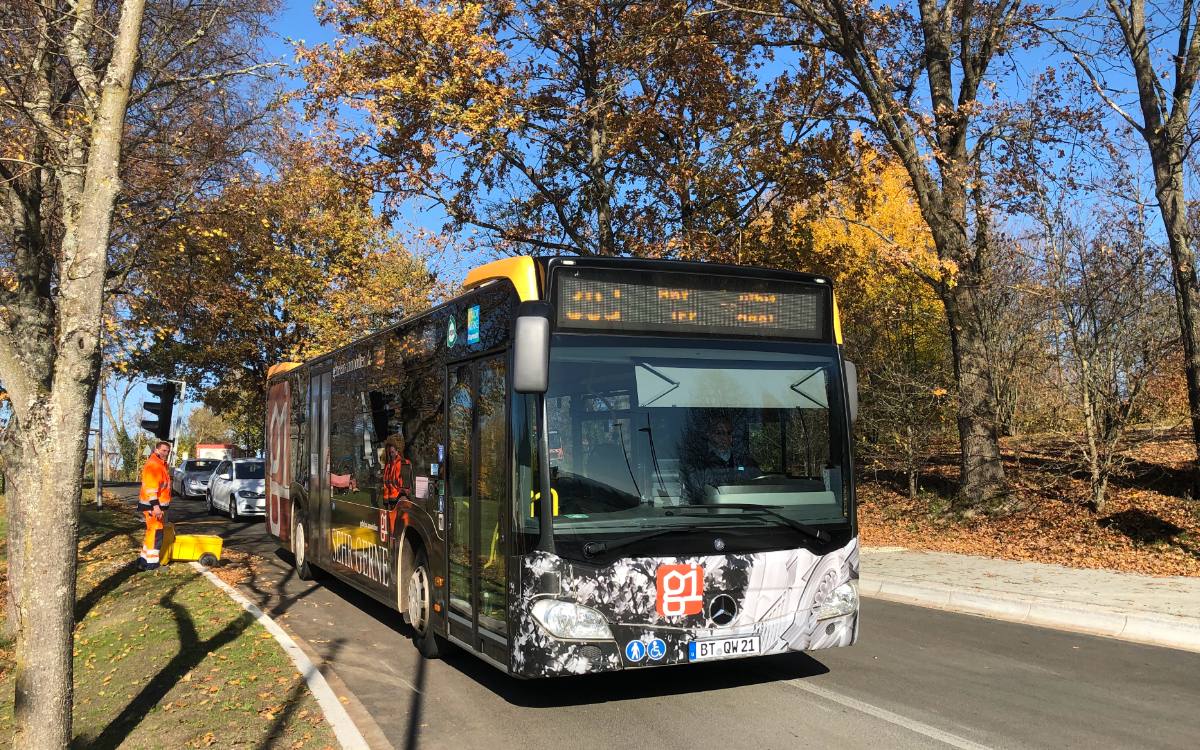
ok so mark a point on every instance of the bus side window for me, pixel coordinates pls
(525, 525)
(415, 377)
(298, 432)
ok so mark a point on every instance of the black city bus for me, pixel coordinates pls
(702, 498)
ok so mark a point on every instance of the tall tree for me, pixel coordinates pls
(926, 73)
(276, 268)
(867, 235)
(597, 127)
(50, 331)
(1117, 40)
(1113, 326)
(83, 87)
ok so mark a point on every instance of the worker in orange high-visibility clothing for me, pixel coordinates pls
(153, 502)
(393, 482)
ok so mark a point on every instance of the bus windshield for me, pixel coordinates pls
(645, 431)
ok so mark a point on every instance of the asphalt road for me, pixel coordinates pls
(918, 678)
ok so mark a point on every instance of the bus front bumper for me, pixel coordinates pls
(776, 599)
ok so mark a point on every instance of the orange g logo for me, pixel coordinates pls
(680, 590)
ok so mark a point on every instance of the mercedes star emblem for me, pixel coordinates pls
(719, 543)
(722, 609)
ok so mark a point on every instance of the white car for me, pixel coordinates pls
(238, 488)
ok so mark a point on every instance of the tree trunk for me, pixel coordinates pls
(1091, 428)
(16, 532)
(1168, 188)
(982, 467)
(1100, 492)
(911, 455)
(46, 471)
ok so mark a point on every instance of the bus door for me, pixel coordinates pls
(318, 467)
(476, 488)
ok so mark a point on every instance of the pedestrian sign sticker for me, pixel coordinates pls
(451, 333)
(656, 649)
(473, 324)
(635, 651)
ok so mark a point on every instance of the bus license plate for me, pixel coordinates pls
(723, 648)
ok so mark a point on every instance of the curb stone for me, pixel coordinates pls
(1171, 631)
(343, 726)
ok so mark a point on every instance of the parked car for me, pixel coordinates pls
(189, 481)
(238, 488)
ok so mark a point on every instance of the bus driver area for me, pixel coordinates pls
(786, 600)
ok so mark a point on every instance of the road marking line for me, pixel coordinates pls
(340, 722)
(911, 724)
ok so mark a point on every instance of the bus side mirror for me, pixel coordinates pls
(531, 347)
(852, 390)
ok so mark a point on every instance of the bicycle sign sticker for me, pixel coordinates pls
(680, 590)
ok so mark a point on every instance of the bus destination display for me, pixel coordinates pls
(598, 300)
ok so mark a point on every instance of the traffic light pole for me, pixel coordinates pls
(177, 420)
(99, 462)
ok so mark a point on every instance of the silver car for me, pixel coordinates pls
(190, 479)
(238, 488)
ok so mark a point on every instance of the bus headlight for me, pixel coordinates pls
(570, 620)
(841, 601)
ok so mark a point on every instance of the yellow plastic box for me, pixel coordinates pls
(186, 547)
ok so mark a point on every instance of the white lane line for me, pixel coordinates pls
(911, 724)
(339, 721)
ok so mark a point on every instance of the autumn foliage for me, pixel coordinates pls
(590, 127)
(277, 268)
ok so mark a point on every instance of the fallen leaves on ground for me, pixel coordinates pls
(1151, 525)
(237, 567)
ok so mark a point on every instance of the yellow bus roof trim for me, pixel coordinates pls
(522, 272)
(281, 367)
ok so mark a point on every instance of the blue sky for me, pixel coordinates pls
(297, 22)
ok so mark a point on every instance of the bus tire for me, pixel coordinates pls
(300, 548)
(420, 610)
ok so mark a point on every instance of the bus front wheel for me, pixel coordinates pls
(300, 549)
(420, 609)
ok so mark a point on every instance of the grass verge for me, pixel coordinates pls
(165, 660)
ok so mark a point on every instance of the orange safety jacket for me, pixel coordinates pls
(393, 480)
(156, 484)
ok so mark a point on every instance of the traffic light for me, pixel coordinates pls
(160, 425)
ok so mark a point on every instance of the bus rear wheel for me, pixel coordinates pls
(300, 549)
(420, 610)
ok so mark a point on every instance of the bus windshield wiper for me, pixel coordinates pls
(591, 549)
(772, 510)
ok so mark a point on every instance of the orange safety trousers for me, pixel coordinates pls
(152, 543)
(155, 492)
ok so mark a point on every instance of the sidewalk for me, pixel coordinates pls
(1159, 611)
